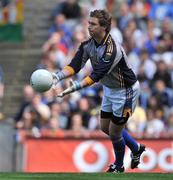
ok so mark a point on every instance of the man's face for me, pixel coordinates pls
(94, 27)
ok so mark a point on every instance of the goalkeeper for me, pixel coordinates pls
(120, 86)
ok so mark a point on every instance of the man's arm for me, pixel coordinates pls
(100, 70)
(87, 81)
(73, 68)
(66, 72)
(98, 73)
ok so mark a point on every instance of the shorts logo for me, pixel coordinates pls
(127, 112)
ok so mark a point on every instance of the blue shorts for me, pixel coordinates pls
(120, 101)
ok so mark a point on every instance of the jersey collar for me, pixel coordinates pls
(103, 40)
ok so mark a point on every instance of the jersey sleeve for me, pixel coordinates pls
(104, 63)
(79, 58)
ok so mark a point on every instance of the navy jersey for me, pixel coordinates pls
(109, 62)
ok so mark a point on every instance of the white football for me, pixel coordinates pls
(41, 80)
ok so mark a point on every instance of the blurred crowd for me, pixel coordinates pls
(145, 29)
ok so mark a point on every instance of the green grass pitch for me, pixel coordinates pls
(86, 176)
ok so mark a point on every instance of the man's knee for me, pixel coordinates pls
(116, 127)
(105, 121)
(119, 120)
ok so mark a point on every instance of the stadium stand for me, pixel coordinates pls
(148, 43)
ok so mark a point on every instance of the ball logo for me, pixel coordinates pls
(90, 156)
